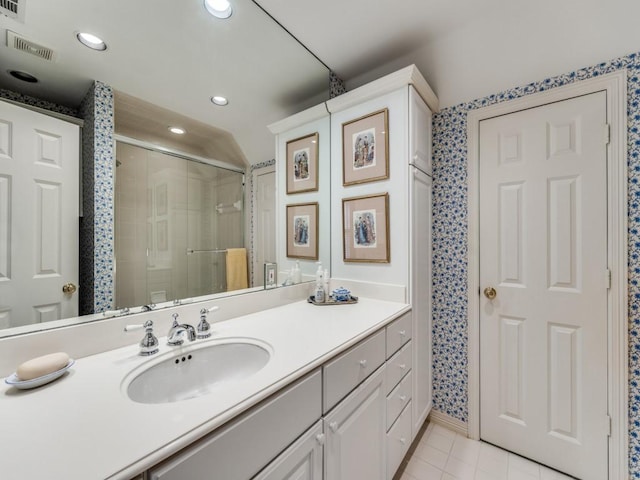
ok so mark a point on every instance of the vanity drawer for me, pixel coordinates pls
(346, 372)
(398, 366)
(398, 441)
(398, 399)
(240, 449)
(398, 333)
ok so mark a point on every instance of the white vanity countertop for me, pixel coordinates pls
(84, 426)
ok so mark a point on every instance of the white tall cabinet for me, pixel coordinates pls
(410, 103)
(380, 424)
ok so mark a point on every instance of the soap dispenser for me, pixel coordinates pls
(319, 291)
(297, 275)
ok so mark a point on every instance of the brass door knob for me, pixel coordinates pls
(490, 293)
(69, 288)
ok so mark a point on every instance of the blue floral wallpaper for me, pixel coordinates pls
(97, 223)
(336, 85)
(450, 244)
(38, 102)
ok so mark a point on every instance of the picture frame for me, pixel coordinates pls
(302, 231)
(365, 222)
(365, 148)
(302, 164)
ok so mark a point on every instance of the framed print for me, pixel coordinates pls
(365, 148)
(365, 223)
(302, 231)
(302, 164)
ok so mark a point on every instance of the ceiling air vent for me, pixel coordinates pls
(13, 9)
(22, 44)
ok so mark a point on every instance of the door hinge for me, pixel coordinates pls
(608, 425)
(608, 278)
(607, 133)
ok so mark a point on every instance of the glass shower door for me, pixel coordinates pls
(175, 218)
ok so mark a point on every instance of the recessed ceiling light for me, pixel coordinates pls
(218, 100)
(218, 8)
(91, 41)
(24, 76)
(177, 130)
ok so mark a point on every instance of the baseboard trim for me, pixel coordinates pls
(448, 422)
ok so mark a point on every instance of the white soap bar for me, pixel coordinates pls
(40, 366)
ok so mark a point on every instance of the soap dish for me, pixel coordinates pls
(332, 301)
(14, 381)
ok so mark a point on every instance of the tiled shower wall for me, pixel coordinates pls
(450, 244)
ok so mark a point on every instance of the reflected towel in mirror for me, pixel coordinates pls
(236, 269)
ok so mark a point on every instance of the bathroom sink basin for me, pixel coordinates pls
(197, 370)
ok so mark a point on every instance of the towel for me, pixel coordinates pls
(236, 269)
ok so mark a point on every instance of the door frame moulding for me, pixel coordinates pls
(615, 84)
(250, 220)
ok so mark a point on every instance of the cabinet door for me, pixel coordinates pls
(239, 450)
(355, 431)
(420, 132)
(301, 461)
(421, 296)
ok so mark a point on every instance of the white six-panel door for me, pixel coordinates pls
(265, 221)
(39, 178)
(543, 249)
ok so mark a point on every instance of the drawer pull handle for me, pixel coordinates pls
(403, 441)
(403, 333)
(403, 366)
(363, 363)
(403, 398)
(333, 426)
(320, 438)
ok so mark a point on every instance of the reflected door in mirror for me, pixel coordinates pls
(264, 233)
(39, 207)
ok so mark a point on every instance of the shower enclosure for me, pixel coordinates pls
(175, 218)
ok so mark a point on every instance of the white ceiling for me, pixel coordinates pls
(466, 49)
(172, 54)
(175, 55)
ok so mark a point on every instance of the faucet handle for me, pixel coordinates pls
(175, 320)
(149, 343)
(116, 313)
(204, 311)
(204, 327)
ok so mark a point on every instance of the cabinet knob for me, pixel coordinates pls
(403, 333)
(403, 441)
(363, 363)
(320, 438)
(403, 366)
(333, 426)
(403, 398)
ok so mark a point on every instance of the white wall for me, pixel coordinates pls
(322, 196)
(540, 39)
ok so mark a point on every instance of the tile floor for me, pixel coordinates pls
(445, 455)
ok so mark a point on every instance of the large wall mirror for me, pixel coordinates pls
(164, 63)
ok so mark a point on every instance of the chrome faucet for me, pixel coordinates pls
(204, 327)
(177, 331)
(149, 343)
